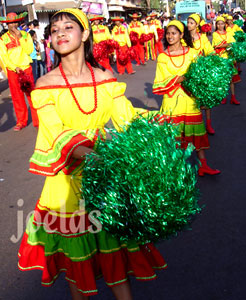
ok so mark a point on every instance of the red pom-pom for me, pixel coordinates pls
(206, 28)
(111, 46)
(100, 51)
(146, 37)
(123, 57)
(160, 33)
(149, 36)
(134, 37)
(132, 53)
(26, 82)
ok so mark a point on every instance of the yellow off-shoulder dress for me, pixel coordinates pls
(203, 45)
(57, 238)
(178, 106)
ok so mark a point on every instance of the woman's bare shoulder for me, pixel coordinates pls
(51, 78)
(101, 75)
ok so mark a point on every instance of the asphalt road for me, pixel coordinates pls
(205, 263)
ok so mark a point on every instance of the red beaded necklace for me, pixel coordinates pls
(72, 93)
(200, 42)
(172, 60)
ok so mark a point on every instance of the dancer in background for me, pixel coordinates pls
(120, 35)
(149, 28)
(100, 33)
(137, 26)
(15, 49)
(178, 106)
(203, 47)
(157, 23)
(221, 40)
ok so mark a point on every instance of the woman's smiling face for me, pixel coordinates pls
(66, 35)
(173, 35)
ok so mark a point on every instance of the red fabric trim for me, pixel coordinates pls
(114, 267)
(46, 151)
(69, 227)
(236, 78)
(74, 85)
(45, 105)
(189, 120)
(188, 49)
(64, 159)
(170, 87)
(200, 142)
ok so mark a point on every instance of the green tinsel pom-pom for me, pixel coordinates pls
(238, 51)
(141, 182)
(208, 80)
(238, 23)
(240, 36)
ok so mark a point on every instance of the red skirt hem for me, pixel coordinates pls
(114, 267)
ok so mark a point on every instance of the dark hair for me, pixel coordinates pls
(32, 32)
(187, 37)
(216, 28)
(88, 43)
(30, 23)
(35, 23)
(47, 32)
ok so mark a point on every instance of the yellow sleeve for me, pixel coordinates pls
(55, 141)
(128, 41)
(164, 81)
(5, 58)
(155, 33)
(122, 111)
(238, 28)
(230, 38)
(216, 40)
(26, 42)
(208, 49)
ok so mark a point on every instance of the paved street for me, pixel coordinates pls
(205, 263)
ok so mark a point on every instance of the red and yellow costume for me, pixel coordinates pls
(150, 45)
(232, 28)
(178, 106)
(202, 45)
(220, 39)
(58, 237)
(101, 33)
(136, 26)
(121, 36)
(158, 44)
(15, 52)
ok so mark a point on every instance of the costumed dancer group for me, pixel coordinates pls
(74, 102)
(143, 39)
(15, 49)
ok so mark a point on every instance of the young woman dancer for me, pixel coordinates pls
(203, 47)
(221, 40)
(178, 106)
(74, 102)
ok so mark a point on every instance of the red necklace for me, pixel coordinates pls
(172, 60)
(72, 93)
(199, 42)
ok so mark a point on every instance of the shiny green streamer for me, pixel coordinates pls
(238, 51)
(240, 36)
(208, 79)
(141, 182)
(238, 23)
